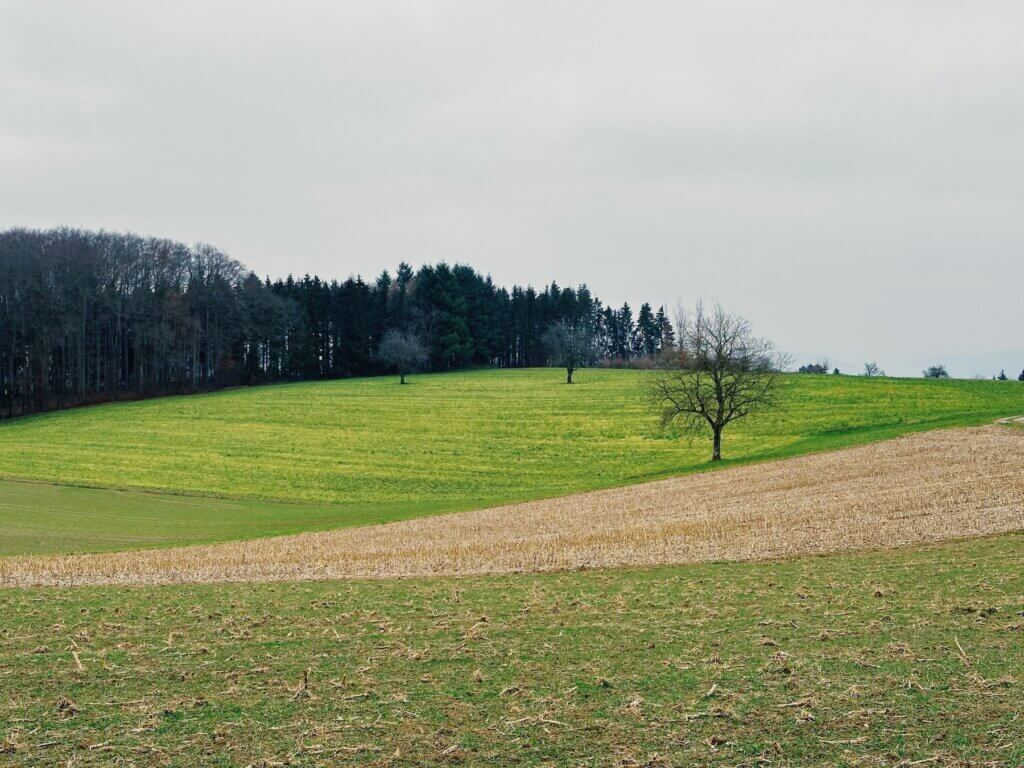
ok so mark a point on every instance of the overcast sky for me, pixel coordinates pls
(847, 175)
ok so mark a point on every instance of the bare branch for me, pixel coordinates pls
(571, 344)
(720, 372)
(403, 351)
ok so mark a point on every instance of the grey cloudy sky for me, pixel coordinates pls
(848, 175)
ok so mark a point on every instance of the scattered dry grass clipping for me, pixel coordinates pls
(917, 489)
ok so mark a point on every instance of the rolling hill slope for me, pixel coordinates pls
(319, 455)
(921, 488)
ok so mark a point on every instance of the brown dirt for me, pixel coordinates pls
(917, 489)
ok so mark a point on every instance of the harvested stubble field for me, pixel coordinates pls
(909, 658)
(921, 488)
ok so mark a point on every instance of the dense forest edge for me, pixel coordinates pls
(89, 317)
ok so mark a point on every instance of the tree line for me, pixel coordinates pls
(89, 317)
(873, 370)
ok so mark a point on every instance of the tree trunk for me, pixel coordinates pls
(717, 451)
(568, 375)
(401, 378)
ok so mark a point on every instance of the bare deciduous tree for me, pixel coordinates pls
(872, 370)
(403, 351)
(719, 373)
(570, 344)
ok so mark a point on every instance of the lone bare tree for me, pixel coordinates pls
(719, 373)
(403, 351)
(570, 344)
(872, 370)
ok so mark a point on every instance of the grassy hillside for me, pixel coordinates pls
(40, 518)
(368, 450)
(905, 658)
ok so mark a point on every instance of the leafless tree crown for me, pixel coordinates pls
(570, 344)
(719, 372)
(403, 351)
(872, 370)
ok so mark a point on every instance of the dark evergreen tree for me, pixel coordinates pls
(609, 333)
(624, 333)
(668, 333)
(648, 333)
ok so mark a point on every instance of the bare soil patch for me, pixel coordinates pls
(918, 489)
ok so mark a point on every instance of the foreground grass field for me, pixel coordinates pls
(368, 450)
(907, 658)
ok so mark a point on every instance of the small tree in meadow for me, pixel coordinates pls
(403, 351)
(872, 370)
(936, 372)
(571, 345)
(720, 372)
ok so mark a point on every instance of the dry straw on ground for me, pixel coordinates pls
(917, 489)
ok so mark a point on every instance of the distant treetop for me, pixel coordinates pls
(821, 367)
(872, 370)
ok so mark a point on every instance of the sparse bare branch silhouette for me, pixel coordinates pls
(719, 372)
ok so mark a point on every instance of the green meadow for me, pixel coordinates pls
(908, 658)
(41, 518)
(905, 658)
(310, 456)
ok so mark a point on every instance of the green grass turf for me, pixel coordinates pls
(898, 658)
(369, 450)
(39, 518)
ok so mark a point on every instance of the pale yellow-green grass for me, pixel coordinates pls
(303, 457)
(479, 437)
(922, 488)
